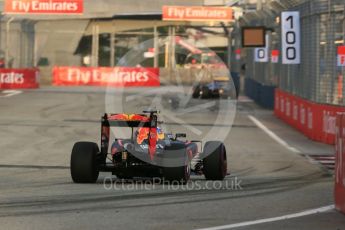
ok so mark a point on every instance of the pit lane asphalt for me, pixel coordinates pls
(38, 129)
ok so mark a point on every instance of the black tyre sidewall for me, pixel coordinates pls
(196, 92)
(215, 161)
(205, 92)
(180, 174)
(83, 162)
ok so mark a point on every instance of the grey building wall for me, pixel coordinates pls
(17, 41)
(57, 40)
(56, 37)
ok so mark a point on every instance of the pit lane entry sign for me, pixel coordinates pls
(44, 6)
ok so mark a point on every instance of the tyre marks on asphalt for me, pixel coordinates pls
(93, 202)
(33, 166)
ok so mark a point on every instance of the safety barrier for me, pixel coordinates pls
(105, 76)
(316, 121)
(319, 76)
(339, 188)
(19, 78)
(260, 93)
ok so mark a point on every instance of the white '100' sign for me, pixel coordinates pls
(291, 37)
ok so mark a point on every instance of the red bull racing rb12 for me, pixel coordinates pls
(149, 152)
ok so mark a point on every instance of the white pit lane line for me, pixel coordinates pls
(273, 135)
(10, 93)
(274, 219)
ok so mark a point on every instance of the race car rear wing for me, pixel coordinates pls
(129, 124)
(131, 121)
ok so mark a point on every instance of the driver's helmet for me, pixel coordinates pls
(160, 134)
(143, 134)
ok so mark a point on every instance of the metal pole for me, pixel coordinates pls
(1, 33)
(166, 54)
(173, 46)
(7, 55)
(35, 61)
(95, 45)
(259, 5)
(269, 75)
(168, 49)
(112, 49)
(229, 49)
(156, 47)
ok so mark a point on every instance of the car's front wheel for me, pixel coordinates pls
(83, 162)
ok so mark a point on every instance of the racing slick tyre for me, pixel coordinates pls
(180, 173)
(84, 163)
(215, 162)
(196, 92)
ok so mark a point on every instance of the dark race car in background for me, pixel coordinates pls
(149, 152)
(218, 88)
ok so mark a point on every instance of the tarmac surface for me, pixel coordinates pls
(39, 127)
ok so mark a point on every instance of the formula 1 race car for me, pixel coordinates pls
(218, 88)
(147, 153)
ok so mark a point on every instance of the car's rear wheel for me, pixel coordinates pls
(177, 174)
(205, 92)
(180, 172)
(124, 177)
(83, 162)
(215, 162)
(196, 92)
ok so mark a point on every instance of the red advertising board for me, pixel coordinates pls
(44, 6)
(19, 78)
(339, 189)
(317, 121)
(197, 13)
(105, 76)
